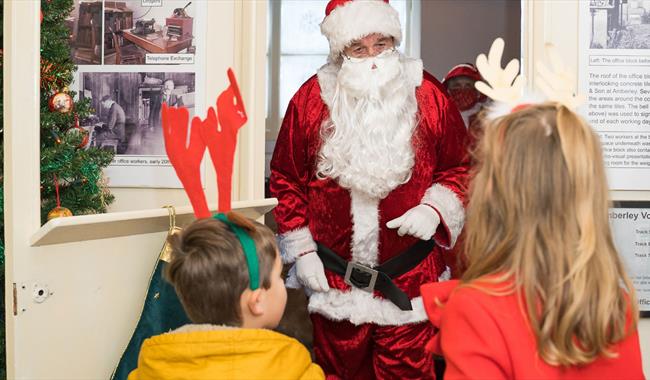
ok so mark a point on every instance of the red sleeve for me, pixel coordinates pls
(290, 173)
(453, 157)
(471, 339)
(449, 182)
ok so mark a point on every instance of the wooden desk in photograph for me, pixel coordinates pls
(155, 43)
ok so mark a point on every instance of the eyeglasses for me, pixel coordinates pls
(365, 52)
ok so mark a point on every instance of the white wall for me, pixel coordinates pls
(456, 31)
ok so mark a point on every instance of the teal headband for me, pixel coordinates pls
(250, 252)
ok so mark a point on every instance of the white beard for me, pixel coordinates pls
(367, 139)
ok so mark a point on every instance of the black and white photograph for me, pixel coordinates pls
(619, 24)
(85, 25)
(134, 34)
(127, 106)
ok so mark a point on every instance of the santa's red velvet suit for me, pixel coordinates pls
(360, 334)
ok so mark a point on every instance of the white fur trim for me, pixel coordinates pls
(365, 228)
(471, 112)
(412, 70)
(450, 208)
(446, 275)
(358, 307)
(294, 242)
(291, 281)
(357, 19)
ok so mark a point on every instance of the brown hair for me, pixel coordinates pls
(538, 215)
(208, 268)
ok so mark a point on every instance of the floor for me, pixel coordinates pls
(144, 140)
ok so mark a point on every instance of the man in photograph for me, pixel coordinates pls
(168, 95)
(115, 122)
(370, 165)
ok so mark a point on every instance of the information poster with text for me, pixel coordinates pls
(133, 56)
(630, 223)
(614, 73)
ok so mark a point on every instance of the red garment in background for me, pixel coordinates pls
(488, 337)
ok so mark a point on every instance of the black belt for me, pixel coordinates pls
(378, 278)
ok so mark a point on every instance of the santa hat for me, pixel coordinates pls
(463, 70)
(349, 20)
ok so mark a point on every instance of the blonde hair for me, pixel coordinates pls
(538, 219)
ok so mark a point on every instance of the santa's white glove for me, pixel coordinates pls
(311, 273)
(421, 222)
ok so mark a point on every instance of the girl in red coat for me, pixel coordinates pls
(545, 295)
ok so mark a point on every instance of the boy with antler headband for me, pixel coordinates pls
(226, 270)
(227, 273)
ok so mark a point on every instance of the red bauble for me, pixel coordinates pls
(84, 140)
(61, 102)
(77, 129)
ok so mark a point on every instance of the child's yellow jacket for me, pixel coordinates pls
(224, 354)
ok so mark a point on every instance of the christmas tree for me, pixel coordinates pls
(71, 171)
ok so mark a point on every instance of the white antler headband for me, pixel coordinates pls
(557, 83)
(503, 85)
(506, 87)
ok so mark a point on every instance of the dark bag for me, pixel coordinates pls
(161, 313)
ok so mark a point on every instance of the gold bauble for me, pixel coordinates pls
(58, 212)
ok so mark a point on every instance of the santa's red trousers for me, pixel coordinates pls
(368, 351)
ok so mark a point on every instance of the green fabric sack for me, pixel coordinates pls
(162, 312)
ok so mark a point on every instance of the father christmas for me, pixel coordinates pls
(369, 170)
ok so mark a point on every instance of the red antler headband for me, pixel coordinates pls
(220, 138)
(218, 135)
